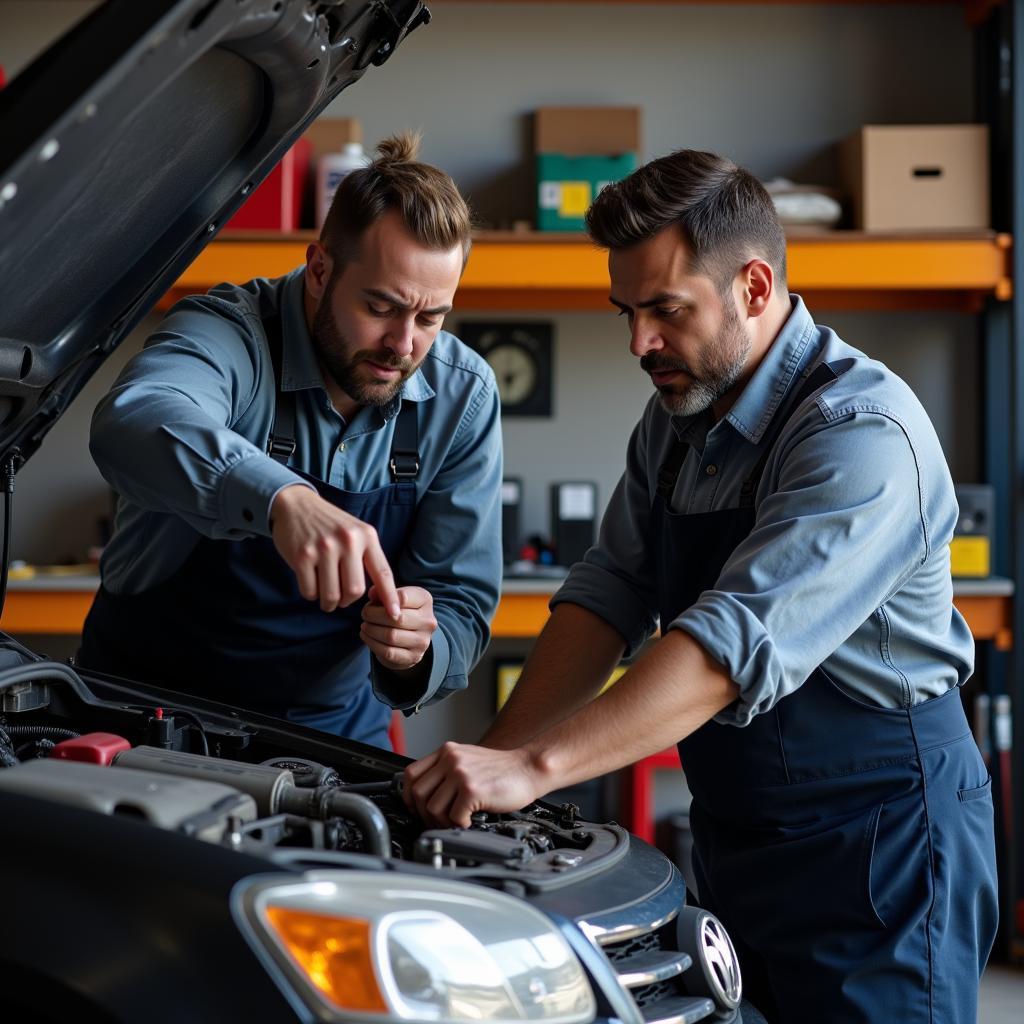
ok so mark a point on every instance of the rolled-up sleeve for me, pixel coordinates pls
(455, 554)
(616, 578)
(177, 401)
(844, 528)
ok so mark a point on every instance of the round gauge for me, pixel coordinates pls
(515, 370)
(520, 356)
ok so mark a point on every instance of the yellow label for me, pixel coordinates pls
(575, 198)
(969, 556)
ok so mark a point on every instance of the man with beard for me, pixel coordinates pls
(785, 513)
(309, 476)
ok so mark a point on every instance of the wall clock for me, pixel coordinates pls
(520, 354)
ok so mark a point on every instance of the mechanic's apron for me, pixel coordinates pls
(847, 848)
(231, 625)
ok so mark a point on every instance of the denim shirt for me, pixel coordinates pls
(182, 437)
(847, 566)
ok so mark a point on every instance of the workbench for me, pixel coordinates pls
(53, 603)
(57, 603)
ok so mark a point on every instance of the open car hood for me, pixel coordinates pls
(127, 145)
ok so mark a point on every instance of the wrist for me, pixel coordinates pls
(286, 499)
(545, 762)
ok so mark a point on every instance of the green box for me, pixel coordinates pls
(567, 185)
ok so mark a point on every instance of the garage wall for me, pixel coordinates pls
(772, 86)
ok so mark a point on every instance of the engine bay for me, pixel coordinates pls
(258, 785)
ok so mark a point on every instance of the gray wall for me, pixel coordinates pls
(772, 86)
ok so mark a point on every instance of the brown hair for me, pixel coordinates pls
(725, 214)
(427, 199)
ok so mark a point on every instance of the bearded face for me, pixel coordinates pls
(689, 387)
(368, 376)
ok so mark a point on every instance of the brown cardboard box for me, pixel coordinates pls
(578, 151)
(329, 134)
(918, 177)
(587, 131)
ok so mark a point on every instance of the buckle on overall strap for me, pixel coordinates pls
(667, 480)
(280, 448)
(405, 465)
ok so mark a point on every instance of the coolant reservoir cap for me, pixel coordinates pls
(92, 748)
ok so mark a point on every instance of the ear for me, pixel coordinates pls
(318, 270)
(756, 285)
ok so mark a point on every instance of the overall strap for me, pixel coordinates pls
(824, 375)
(405, 447)
(669, 472)
(281, 443)
(821, 377)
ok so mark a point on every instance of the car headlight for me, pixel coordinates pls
(378, 944)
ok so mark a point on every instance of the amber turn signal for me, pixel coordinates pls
(334, 952)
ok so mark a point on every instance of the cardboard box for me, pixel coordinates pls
(330, 135)
(567, 185)
(579, 150)
(587, 131)
(918, 177)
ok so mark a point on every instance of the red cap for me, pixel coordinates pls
(92, 748)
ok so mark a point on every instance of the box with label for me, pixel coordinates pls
(918, 177)
(579, 151)
(567, 185)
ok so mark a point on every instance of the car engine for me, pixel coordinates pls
(302, 801)
(222, 779)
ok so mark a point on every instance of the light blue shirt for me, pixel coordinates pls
(182, 438)
(847, 566)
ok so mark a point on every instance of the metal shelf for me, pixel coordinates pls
(531, 270)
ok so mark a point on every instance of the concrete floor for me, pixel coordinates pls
(1002, 996)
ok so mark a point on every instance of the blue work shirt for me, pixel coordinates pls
(847, 566)
(182, 438)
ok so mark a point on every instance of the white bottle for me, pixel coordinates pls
(331, 168)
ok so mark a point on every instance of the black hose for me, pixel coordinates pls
(331, 802)
(366, 814)
(35, 671)
(48, 732)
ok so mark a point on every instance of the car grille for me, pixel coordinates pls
(650, 968)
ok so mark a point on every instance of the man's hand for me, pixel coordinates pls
(446, 787)
(399, 643)
(330, 551)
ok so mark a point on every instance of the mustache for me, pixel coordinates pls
(385, 359)
(655, 362)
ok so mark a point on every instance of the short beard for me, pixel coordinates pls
(342, 364)
(720, 369)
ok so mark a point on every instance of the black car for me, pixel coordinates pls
(166, 858)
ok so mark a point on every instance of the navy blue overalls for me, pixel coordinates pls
(231, 625)
(848, 848)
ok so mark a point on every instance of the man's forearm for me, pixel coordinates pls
(672, 690)
(570, 662)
